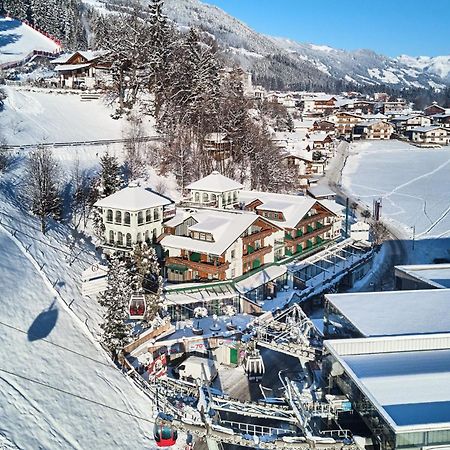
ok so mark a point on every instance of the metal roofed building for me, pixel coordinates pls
(427, 276)
(400, 386)
(394, 313)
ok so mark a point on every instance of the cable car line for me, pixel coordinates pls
(80, 397)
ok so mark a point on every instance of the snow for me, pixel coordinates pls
(260, 278)
(397, 312)
(215, 182)
(55, 349)
(411, 387)
(17, 40)
(439, 65)
(386, 76)
(413, 184)
(36, 116)
(437, 275)
(133, 198)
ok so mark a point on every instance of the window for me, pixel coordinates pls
(148, 215)
(120, 239)
(118, 217)
(127, 218)
(139, 238)
(156, 214)
(233, 273)
(111, 236)
(235, 196)
(128, 240)
(197, 197)
(109, 215)
(140, 218)
(205, 197)
(147, 237)
(233, 254)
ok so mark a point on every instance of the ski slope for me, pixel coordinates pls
(53, 348)
(35, 116)
(17, 40)
(414, 184)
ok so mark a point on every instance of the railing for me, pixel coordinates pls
(255, 236)
(202, 266)
(306, 236)
(257, 253)
(258, 430)
(311, 219)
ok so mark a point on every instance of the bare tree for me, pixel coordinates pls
(82, 185)
(135, 148)
(42, 185)
(5, 156)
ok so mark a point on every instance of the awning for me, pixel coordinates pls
(260, 278)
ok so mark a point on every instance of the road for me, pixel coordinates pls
(394, 247)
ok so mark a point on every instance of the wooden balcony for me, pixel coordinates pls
(207, 267)
(306, 236)
(257, 253)
(311, 219)
(256, 236)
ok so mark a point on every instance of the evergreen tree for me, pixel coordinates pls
(115, 300)
(147, 278)
(111, 180)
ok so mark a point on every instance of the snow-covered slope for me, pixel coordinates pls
(438, 65)
(35, 116)
(17, 40)
(57, 389)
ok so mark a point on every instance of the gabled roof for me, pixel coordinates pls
(215, 182)
(217, 137)
(426, 129)
(88, 55)
(133, 198)
(225, 226)
(69, 67)
(293, 207)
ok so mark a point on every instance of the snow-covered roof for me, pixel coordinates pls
(225, 226)
(406, 379)
(396, 313)
(89, 55)
(319, 136)
(215, 182)
(437, 275)
(426, 129)
(216, 137)
(260, 278)
(293, 207)
(133, 198)
(69, 67)
(321, 191)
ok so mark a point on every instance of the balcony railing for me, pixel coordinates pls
(256, 236)
(201, 266)
(257, 253)
(311, 219)
(309, 235)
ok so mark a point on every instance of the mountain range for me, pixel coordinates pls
(281, 63)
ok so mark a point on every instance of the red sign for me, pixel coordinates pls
(158, 367)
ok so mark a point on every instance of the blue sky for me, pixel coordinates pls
(391, 27)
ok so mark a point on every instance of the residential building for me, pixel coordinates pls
(424, 276)
(434, 109)
(307, 223)
(373, 129)
(393, 107)
(441, 120)
(214, 190)
(321, 140)
(345, 122)
(429, 135)
(324, 125)
(218, 145)
(83, 69)
(214, 244)
(319, 104)
(133, 215)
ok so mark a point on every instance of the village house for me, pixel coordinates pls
(218, 145)
(393, 107)
(207, 244)
(322, 141)
(214, 190)
(442, 120)
(373, 129)
(83, 69)
(434, 108)
(320, 104)
(133, 215)
(307, 224)
(345, 121)
(429, 135)
(324, 125)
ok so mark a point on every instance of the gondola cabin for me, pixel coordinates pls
(137, 306)
(164, 432)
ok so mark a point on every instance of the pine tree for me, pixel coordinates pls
(116, 298)
(110, 175)
(147, 278)
(42, 185)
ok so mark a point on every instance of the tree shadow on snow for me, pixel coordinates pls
(43, 324)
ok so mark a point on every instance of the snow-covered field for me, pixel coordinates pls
(36, 116)
(18, 39)
(414, 185)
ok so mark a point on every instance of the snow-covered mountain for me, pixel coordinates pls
(283, 63)
(438, 65)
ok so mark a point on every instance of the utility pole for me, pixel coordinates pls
(413, 236)
(346, 217)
